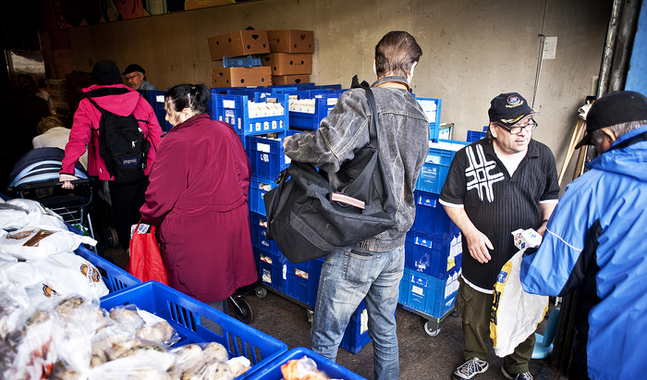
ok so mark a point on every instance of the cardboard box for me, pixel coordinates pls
(241, 76)
(291, 41)
(196, 4)
(291, 79)
(288, 64)
(236, 44)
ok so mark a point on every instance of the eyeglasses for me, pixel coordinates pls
(516, 129)
(129, 77)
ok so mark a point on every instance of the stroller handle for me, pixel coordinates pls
(47, 184)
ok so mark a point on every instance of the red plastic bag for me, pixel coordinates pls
(145, 259)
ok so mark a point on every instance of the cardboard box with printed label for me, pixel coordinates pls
(241, 76)
(236, 44)
(291, 79)
(291, 41)
(288, 64)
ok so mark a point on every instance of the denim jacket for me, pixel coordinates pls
(403, 137)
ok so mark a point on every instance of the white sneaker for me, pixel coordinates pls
(470, 369)
(520, 376)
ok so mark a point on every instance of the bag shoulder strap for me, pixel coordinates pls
(373, 125)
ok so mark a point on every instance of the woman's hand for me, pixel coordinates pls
(67, 180)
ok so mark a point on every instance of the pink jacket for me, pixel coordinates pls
(87, 117)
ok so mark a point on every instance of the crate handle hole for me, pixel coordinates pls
(303, 37)
(255, 36)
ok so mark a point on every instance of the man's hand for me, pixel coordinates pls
(67, 180)
(479, 245)
(286, 141)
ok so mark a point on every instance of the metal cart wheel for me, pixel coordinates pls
(112, 239)
(432, 328)
(243, 309)
(260, 291)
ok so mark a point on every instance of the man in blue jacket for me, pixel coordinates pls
(595, 240)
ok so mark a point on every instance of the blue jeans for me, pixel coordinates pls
(348, 276)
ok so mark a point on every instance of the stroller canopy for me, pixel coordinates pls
(41, 165)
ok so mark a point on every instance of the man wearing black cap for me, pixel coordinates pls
(494, 186)
(109, 93)
(136, 77)
(596, 241)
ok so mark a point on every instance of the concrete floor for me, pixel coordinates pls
(421, 356)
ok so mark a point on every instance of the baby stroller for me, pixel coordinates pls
(35, 176)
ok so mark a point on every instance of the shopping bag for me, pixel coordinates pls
(145, 259)
(515, 313)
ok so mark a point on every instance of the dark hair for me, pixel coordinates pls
(25, 85)
(193, 96)
(395, 53)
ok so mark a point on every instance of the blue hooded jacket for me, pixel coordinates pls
(596, 240)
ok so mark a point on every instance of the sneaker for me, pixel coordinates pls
(520, 376)
(470, 369)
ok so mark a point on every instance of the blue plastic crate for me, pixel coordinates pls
(257, 190)
(432, 108)
(184, 314)
(273, 270)
(408, 248)
(266, 155)
(259, 237)
(272, 371)
(304, 279)
(431, 217)
(435, 256)
(310, 117)
(475, 136)
(237, 111)
(115, 278)
(427, 294)
(434, 172)
(156, 99)
(356, 334)
(248, 61)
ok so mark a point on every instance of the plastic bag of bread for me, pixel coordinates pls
(302, 369)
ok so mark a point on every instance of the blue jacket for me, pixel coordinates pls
(596, 241)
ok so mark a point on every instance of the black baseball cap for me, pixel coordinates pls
(132, 68)
(614, 108)
(509, 108)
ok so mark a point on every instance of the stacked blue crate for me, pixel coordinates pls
(156, 100)
(476, 135)
(440, 156)
(251, 114)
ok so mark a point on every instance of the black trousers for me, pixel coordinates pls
(127, 199)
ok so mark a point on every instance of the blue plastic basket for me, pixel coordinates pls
(115, 278)
(434, 255)
(432, 107)
(234, 109)
(248, 61)
(272, 371)
(156, 100)
(428, 294)
(474, 136)
(257, 190)
(266, 155)
(431, 217)
(305, 120)
(184, 314)
(434, 172)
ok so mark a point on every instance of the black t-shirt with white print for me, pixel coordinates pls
(497, 203)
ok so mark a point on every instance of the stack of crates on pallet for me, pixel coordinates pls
(433, 249)
(432, 111)
(156, 99)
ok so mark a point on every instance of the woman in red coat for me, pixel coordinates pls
(198, 196)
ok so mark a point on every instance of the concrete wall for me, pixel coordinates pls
(472, 49)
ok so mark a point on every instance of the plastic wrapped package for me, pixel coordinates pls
(36, 243)
(18, 213)
(302, 369)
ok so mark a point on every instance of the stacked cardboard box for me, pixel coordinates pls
(236, 44)
(290, 56)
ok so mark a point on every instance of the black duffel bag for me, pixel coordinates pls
(312, 213)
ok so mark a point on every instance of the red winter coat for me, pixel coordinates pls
(87, 118)
(198, 196)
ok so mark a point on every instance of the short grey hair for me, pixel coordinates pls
(618, 129)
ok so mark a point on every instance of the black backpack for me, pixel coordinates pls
(122, 145)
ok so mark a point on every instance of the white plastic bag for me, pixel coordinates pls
(35, 243)
(515, 313)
